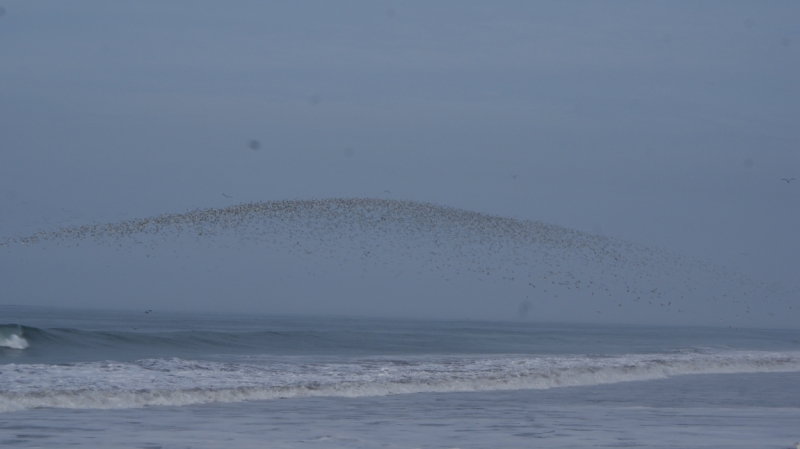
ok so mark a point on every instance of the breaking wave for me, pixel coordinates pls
(177, 382)
(11, 337)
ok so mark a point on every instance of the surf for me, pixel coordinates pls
(11, 337)
(180, 382)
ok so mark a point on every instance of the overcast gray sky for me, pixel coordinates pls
(670, 124)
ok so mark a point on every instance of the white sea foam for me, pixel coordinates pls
(182, 382)
(11, 337)
(13, 341)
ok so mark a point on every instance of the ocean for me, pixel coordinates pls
(158, 379)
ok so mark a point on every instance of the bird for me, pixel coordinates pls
(787, 180)
(387, 231)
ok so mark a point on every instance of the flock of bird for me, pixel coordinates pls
(544, 262)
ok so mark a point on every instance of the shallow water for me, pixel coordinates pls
(181, 380)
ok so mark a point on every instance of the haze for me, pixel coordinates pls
(668, 124)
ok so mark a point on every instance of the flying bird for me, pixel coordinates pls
(227, 196)
(787, 180)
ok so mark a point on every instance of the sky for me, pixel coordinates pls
(670, 124)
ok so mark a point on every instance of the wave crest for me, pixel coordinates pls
(11, 337)
(176, 382)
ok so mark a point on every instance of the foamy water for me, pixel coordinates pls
(183, 382)
(210, 381)
(11, 337)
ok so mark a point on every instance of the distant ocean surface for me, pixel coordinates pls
(90, 378)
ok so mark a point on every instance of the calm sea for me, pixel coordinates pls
(90, 378)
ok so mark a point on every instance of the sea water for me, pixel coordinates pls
(91, 378)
